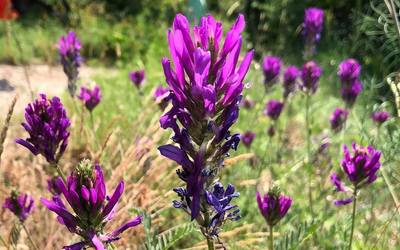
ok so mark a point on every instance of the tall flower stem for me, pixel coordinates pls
(308, 135)
(353, 217)
(271, 238)
(29, 236)
(210, 244)
(59, 171)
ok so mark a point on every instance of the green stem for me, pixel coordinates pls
(353, 217)
(271, 238)
(309, 169)
(3, 241)
(59, 171)
(29, 236)
(210, 244)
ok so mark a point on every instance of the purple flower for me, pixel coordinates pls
(47, 124)
(247, 138)
(137, 77)
(273, 206)
(273, 109)
(52, 186)
(349, 70)
(162, 96)
(247, 103)
(69, 48)
(85, 192)
(206, 84)
(271, 69)
(289, 80)
(310, 74)
(19, 204)
(350, 92)
(380, 117)
(91, 98)
(338, 119)
(313, 24)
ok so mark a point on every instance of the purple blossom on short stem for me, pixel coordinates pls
(85, 192)
(310, 74)
(20, 204)
(137, 77)
(47, 124)
(379, 117)
(338, 119)
(69, 48)
(290, 80)
(206, 88)
(271, 70)
(247, 138)
(90, 97)
(312, 28)
(349, 73)
(273, 109)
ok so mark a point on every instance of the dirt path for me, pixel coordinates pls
(45, 79)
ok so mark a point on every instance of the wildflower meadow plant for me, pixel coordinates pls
(85, 192)
(312, 28)
(349, 73)
(361, 169)
(273, 207)
(137, 77)
(69, 48)
(338, 119)
(379, 117)
(247, 138)
(206, 88)
(271, 69)
(290, 80)
(90, 97)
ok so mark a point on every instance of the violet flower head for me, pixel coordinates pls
(161, 96)
(379, 117)
(273, 109)
(271, 69)
(69, 48)
(47, 124)
(350, 92)
(137, 77)
(247, 138)
(247, 103)
(85, 192)
(289, 80)
(310, 74)
(206, 83)
(313, 24)
(19, 204)
(349, 70)
(338, 119)
(90, 97)
(273, 206)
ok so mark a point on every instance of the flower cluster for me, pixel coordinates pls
(90, 97)
(289, 80)
(137, 77)
(273, 205)
(379, 117)
(206, 86)
(349, 72)
(360, 168)
(161, 96)
(19, 204)
(271, 69)
(69, 48)
(310, 74)
(47, 124)
(273, 109)
(338, 119)
(247, 138)
(312, 27)
(85, 192)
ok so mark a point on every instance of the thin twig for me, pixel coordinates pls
(29, 236)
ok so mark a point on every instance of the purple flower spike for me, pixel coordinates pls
(85, 192)
(313, 24)
(349, 70)
(289, 80)
(247, 138)
(271, 69)
(379, 117)
(47, 124)
(137, 77)
(310, 74)
(338, 119)
(273, 206)
(273, 109)
(351, 92)
(69, 48)
(19, 204)
(91, 98)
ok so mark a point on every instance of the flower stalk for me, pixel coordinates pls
(33, 244)
(271, 237)
(353, 217)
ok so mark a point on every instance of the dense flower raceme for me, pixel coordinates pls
(273, 205)
(360, 168)
(247, 103)
(85, 192)
(273, 109)
(137, 77)
(247, 138)
(161, 96)
(206, 86)
(289, 80)
(69, 48)
(271, 70)
(19, 204)
(310, 74)
(380, 117)
(90, 97)
(338, 119)
(349, 72)
(47, 124)
(313, 24)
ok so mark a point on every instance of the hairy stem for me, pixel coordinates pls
(29, 236)
(271, 238)
(308, 128)
(353, 217)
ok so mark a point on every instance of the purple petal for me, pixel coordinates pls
(114, 199)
